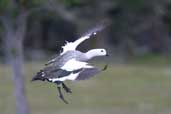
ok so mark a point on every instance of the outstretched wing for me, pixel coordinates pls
(50, 73)
(53, 60)
(72, 70)
(89, 72)
(69, 71)
(73, 45)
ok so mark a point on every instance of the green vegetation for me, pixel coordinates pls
(152, 59)
(122, 89)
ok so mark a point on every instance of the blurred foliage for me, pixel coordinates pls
(152, 60)
(133, 4)
(72, 3)
(137, 27)
(3, 4)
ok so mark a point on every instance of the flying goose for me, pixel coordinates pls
(71, 64)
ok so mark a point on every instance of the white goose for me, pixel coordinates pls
(71, 64)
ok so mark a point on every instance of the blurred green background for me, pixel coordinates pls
(122, 89)
(138, 79)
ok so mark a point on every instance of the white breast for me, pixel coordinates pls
(73, 64)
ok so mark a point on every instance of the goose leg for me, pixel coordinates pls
(68, 90)
(60, 94)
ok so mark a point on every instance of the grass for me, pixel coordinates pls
(122, 89)
(152, 59)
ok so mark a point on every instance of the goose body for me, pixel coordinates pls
(71, 64)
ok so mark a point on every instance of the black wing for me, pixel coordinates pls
(53, 73)
(49, 73)
(89, 72)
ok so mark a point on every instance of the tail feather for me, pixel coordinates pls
(39, 76)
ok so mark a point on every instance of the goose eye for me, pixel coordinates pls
(101, 50)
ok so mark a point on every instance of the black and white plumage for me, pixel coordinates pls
(71, 64)
(80, 71)
(69, 50)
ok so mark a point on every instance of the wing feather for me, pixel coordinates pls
(73, 45)
(89, 72)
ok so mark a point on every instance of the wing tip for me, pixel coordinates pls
(105, 67)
